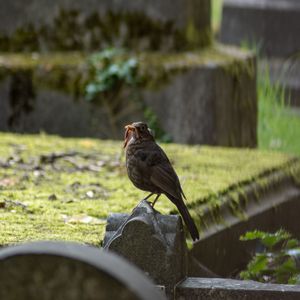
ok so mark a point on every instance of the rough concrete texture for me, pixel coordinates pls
(153, 242)
(52, 270)
(272, 25)
(228, 289)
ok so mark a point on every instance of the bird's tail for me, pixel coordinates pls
(187, 218)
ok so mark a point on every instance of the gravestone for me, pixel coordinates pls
(57, 270)
(153, 242)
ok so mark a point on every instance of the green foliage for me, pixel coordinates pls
(277, 262)
(216, 13)
(110, 74)
(115, 83)
(268, 239)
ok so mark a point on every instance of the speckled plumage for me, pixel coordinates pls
(149, 169)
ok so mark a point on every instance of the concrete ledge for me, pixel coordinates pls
(227, 289)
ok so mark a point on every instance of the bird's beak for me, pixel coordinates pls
(128, 128)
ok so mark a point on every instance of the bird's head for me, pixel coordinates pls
(137, 131)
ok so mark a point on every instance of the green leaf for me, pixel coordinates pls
(268, 239)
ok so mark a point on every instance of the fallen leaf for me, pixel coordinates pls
(83, 219)
(6, 182)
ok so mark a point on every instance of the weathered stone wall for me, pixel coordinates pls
(50, 25)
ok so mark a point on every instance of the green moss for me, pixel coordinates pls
(207, 175)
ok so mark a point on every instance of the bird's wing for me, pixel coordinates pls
(154, 163)
(164, 177)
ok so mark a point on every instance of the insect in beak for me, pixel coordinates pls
(128, 129)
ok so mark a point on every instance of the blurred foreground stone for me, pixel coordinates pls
(67, 271)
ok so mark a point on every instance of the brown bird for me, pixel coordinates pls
(150, 170)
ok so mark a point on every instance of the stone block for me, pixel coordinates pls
(153, 242)
(206, 97)
(273, 26)
(69, 271)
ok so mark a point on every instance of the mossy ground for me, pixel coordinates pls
(94, 183)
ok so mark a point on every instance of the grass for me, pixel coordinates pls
(279, 124)
(84, 198)
(216, 14)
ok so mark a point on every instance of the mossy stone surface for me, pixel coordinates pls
(68, 72)
(69, 198)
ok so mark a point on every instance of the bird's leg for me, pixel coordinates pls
(148, 196)
(153, 203)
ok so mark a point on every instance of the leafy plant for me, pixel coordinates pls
(115, 85)
(277, 262)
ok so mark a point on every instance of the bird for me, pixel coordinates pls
(150, 170)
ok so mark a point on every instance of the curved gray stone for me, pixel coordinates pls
(57, 270)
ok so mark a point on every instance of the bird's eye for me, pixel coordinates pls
(143, 128)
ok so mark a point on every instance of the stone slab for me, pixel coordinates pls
(228, 289)
(272, 25)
